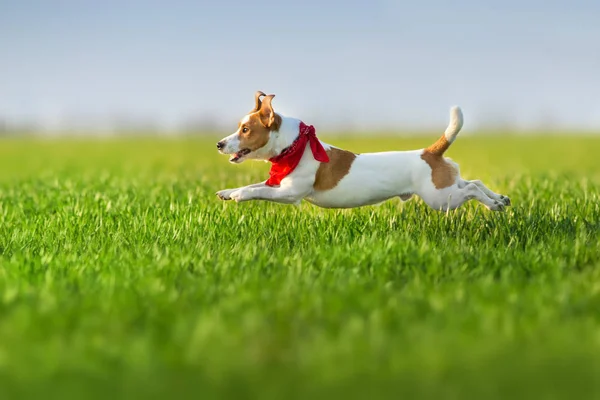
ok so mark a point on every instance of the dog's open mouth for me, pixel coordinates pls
(239, 155)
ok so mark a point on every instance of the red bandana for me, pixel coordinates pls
(287, 161)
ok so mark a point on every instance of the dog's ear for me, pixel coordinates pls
(257, 102)
(267, 116)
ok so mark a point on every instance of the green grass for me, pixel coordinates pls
(122, 275)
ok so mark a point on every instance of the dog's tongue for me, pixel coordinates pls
(239, 155)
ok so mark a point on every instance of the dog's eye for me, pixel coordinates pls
(244, 129)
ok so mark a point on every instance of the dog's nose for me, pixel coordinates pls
(220, 145)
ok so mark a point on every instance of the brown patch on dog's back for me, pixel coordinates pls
(331, 173)
(443, 174)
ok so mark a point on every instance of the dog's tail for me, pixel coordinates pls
(456, 123)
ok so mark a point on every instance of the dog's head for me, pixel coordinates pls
(253, 138)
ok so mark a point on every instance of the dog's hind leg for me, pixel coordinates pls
(472, 191)
(453, 197)
(490, 193)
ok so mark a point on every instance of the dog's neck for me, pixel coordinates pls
(280, 140)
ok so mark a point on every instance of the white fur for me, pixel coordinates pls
(372, 178)
(378, 176)
(455, 125)
(232, 143)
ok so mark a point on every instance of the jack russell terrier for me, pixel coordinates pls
(303, 167)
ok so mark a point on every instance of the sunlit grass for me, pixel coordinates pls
(121, 274)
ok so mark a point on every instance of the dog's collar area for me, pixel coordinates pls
(287, 149)
(304, 130)
(285, 163)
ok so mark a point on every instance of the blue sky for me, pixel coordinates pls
(368, 64)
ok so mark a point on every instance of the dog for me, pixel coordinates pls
(303, 167)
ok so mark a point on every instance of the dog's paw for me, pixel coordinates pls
(505, 200)
(225, 194)
(498, 206)
(238, 195)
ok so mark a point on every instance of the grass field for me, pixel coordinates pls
(123, 276)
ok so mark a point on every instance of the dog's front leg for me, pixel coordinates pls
(226, 193)
(282, 194)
